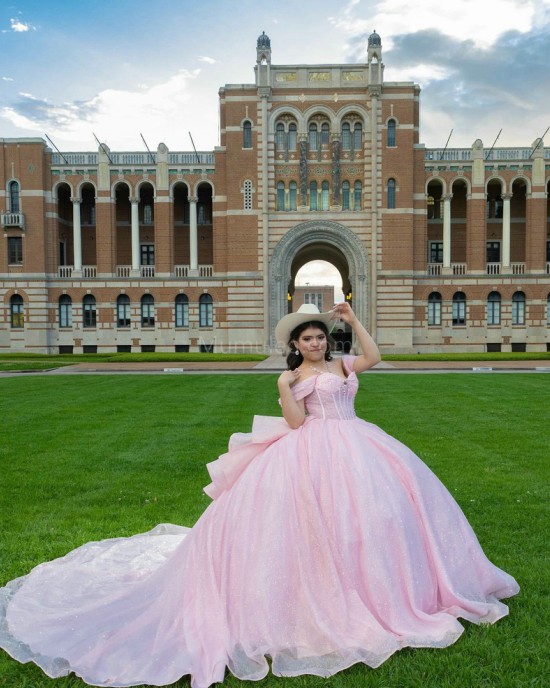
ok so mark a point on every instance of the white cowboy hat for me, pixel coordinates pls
(306, 313)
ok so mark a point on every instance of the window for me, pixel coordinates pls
(280, 195)
(205, 310)
(345, 196)
(357, 136)
(65, 311)
(292, 136)
(324, 196)
(280, 136)
(548, 310)
(313, 136)
(493, 251)
(459, 308)
(147, 311)
(391, 193)
(17, 311)
(15, 250)
(548, 251)
(518, 308)
(346, 136)
(13, 193)
(247, 191)
(292, 195)
(436, 252)
(123, 310)
(357, 196)
(316, 299)
(391, 132)
(89, 318)
(147, 254)
(182, 310)
(247, 134)
(313, 195)
(325, 131)
(434, 308)
(147, 214)
(493, 308)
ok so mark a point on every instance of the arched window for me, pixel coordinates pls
(280, 136)
(147, 311)
(182, 310)
(292, 136)
(247, 134)
(325, 201)
(123, 310)
(391, 193)
(13, 193)
(325, 131)
(292, 195)
(434, 308)
(493, 308)
(313, 195)
(391, 132)
(459, 308)
(247, 192)
(89, 318)
(346, 136)
(345, 196)
(280, 195)
(357, 136)
(65, 311)
(518, 308)
(313, 136)
(357, 195)
(206, 307)
(17, 311)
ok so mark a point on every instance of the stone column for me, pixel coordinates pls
(77, 238)
(336, 171)
(302, 143)
(447, 231)
(193, 246)
(135, 271)
(506, 232)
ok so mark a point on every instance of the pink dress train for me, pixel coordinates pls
(324, 546)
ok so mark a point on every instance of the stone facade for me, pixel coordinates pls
(439, 250)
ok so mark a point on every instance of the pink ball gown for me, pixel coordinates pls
(324, 546)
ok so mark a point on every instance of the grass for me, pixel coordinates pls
(86, 458)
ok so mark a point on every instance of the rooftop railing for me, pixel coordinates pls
(465, 154)
(134, 158)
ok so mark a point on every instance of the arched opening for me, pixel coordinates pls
(180, 195)
(320, 275)
(88, 223)
(459, 213)
(65, 225)
(123, 229)
(204, 221)
(435, 226)
(518, 212)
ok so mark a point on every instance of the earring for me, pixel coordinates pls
(296, 353)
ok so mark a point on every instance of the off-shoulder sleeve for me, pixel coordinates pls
(347, 362)
(301, 389)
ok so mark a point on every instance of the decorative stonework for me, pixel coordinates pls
(316, 232)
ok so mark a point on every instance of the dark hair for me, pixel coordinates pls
(295, 358)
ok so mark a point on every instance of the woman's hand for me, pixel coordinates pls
(289, 377)
(343, 311)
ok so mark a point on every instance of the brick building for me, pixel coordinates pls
(439, 250)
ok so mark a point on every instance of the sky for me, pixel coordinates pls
(123, 69)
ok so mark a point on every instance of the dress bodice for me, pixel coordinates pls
(328, 395)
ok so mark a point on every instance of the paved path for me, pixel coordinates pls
(276, 363)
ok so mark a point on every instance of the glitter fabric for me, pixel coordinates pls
(324, 546)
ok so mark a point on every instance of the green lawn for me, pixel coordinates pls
(90, 457)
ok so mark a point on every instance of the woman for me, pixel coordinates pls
(328, 543)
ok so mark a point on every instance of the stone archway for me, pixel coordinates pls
(317, 239)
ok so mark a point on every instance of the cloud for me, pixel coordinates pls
(118, 116)
(19, 26)
(7, 78)
(204, 58)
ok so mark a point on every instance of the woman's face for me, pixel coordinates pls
(312, 344)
